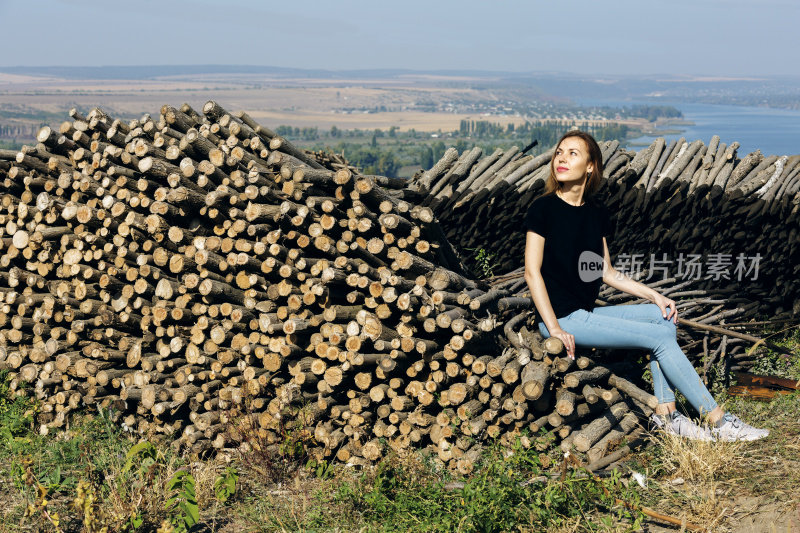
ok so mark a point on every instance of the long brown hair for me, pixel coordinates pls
(595, 158)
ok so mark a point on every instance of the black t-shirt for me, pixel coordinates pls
(573, 250)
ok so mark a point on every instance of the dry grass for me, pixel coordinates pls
(698, 461)
(571, 526)
(731, 486)
(704, 504)
(695, 467)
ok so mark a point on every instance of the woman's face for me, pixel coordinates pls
(571, 161)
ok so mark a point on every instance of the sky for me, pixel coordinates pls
(738, 38)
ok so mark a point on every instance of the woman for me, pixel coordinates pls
(567, 259)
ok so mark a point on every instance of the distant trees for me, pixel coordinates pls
(385, 152)
(438, 149)
(481, 129)
(611, 132)
(305, 134)
(426, 159)
(17, 130)
(650, 112)
(370, 159)
(546, 132)
(25, 132)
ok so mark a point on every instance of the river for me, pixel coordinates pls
(773, 131)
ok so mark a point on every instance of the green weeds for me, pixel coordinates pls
(483, 261)
(507, 492)
(181, 505)
(778, 364)
(16, 412)
(225, 484)
(93, 477)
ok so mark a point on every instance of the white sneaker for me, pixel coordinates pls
(676, 423)
(733, 429)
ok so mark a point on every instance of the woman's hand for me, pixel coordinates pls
(667, 305)
(567, 339)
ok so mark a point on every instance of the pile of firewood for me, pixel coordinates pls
(184, 269)
(695, 210)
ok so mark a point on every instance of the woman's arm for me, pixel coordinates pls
(614, 278)
(534, 249)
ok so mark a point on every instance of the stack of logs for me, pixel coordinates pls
(669, 201)
(183, 269)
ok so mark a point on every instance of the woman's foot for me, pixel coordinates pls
(731, 428)
(675, 423)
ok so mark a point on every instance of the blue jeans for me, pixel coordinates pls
(641, 326)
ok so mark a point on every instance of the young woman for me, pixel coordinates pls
(567, 259)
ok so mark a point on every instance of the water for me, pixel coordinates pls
(773, 131)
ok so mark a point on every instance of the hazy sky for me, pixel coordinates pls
(713, 37)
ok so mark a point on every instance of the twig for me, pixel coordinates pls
(760, 322)
(722, 331)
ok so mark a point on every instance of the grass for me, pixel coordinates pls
(719, 484)
(778, 364)
(697, 461)
(724, 486)
(94, 476)
(506, 491)
(90, 476)
(685, 477)
(749, 485)
(412, 494)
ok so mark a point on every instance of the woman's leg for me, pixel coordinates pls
(650, 313)
(638, 326)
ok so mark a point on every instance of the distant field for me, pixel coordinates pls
(423, 103)
(404, 121)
